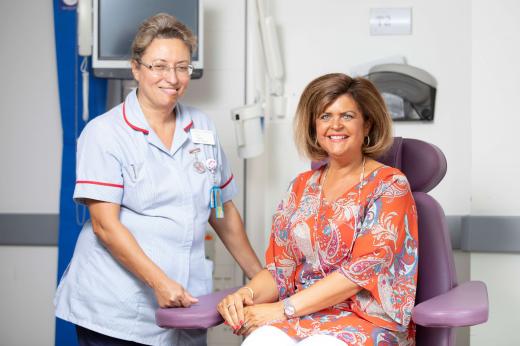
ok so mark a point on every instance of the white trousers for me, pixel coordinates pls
(269, 335)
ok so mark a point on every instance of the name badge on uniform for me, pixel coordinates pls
(199, 136)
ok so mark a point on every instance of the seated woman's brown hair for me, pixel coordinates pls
(322, 92)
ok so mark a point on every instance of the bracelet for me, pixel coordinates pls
(250, 291)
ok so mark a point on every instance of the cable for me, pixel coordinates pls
(84, 75)
(80, 209)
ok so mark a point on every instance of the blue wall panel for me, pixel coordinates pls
(69, 82)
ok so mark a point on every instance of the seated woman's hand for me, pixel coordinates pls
(232, 307)
(170, 293)
(259, 315)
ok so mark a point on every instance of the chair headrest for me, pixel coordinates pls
(423, 163)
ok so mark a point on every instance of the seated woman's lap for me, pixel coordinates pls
(349, 329)
(269, 335)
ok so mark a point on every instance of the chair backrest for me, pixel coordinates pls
(425, 165)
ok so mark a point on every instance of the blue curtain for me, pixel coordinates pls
(69, 82)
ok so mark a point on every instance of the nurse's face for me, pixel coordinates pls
(162, 89)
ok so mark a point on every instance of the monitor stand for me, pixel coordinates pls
(117, 89)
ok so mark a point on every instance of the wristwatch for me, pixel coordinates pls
(288, 308)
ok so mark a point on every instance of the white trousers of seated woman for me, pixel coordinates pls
(269, 335)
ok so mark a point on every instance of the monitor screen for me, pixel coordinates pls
(116, 23)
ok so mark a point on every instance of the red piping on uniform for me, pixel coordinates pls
(189, 126)
(133, 126)
(227, 182)
(98, 183)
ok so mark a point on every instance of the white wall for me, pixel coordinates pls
(495, 121)
(28, 283)
(494, 168)
(30, 144)
(30, 147)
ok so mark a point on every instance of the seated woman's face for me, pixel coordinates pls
(340, 129)
(162, 85)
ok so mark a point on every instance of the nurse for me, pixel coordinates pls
(152, 173)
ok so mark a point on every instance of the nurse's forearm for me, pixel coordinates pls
(264, 287)
(122, 244)
(231, 231)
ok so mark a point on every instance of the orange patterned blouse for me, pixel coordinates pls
(377, 250)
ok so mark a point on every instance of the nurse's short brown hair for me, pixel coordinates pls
(321, 93)
(161, 25)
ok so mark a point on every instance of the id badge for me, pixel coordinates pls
(199, 136)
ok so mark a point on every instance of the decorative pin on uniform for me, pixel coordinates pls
(197, 164)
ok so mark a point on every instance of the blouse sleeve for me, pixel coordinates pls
(279, 258)
(384, 255)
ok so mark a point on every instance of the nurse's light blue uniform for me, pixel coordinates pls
(164, 204)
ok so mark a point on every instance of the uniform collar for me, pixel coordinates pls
(133, 115)
(184, 118)
(135, 119)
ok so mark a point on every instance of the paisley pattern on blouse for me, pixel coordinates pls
(370, 236)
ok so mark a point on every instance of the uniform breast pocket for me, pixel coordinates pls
(138, 186)
(133, 172)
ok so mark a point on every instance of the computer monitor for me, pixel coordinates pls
(115, 23)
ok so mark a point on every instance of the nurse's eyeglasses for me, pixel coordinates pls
(161, 68)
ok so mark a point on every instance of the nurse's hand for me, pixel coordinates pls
(232, 308)
(170, 294)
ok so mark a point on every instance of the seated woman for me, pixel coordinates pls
(342, 258)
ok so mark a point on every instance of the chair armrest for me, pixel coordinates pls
(201, 315)
(464, 305)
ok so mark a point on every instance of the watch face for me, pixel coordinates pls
(288, 308)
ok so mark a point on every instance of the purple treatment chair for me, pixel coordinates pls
(441, 304)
